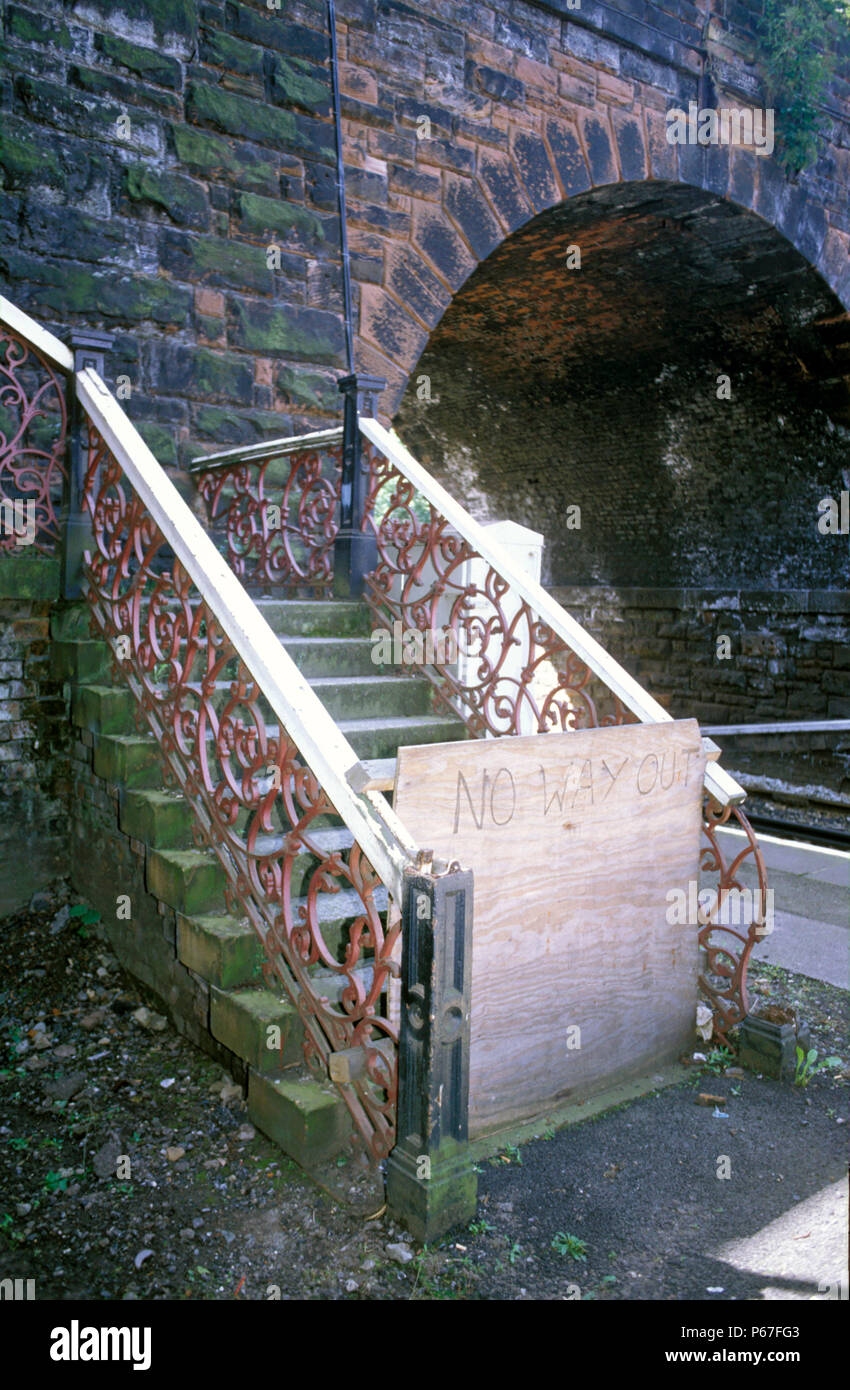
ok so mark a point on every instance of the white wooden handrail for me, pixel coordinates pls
(324, 747)
(44, 342)
(722, 787)
(273, 448)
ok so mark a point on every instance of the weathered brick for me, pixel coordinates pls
(597, 142)
(630, 146)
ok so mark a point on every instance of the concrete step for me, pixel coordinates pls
(224, 951)
(308, 1120)
(332, 656)
(243, 1020)
(382, 737)
(323, 618)
(369, 696)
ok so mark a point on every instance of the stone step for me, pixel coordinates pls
(241, 1020)
(163, 819)
(130, 760)
(322, 618)
(224, 951)
(71, 622)
(77, 661)
(193, 880)
(189, 880)
(103, 709)
(306, 1119)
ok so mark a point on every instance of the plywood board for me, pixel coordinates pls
(575, 841)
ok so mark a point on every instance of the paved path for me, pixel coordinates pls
(811, 886)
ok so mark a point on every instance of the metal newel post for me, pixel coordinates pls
(89, 348)
(355, 550)
(431, 1182)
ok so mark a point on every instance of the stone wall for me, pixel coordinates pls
(152, 152)
(34, 736)
(789, 661)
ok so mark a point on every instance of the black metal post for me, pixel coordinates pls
(355, 550)
(431, 1182)
(89, 348)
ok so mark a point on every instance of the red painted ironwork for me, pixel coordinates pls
(523, 678)
(726, 941)
(314, 900)
(278, 534)
(33, 430)
(516, 675)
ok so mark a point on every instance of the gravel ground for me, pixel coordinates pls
(626, 1206)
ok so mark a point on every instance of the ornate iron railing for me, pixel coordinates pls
(274, 509)
(515, 675)
(264, 767)
(723, 979)
(33, 432)
(526, 666)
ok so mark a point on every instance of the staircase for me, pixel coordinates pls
(378, 709)
(235, 756)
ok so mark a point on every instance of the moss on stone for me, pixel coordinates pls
(145, 62)
(32, 29)
(271, 216)
(243, 165)
(231, 263)
(300, 386)
(184, 201)
(238, 115)
(299, 83)
(313, 335)
(27, 161)
(159, 439)
(29, 576)
(234, 54)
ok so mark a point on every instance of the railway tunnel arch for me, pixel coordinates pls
(685, 386)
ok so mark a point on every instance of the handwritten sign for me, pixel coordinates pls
(575, 839)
